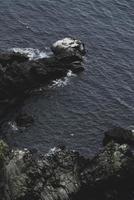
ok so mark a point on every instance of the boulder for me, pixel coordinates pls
(68, 49)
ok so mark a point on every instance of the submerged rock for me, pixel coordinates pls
(119, 135)
(24, 120)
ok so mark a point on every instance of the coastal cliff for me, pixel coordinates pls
(62, 174)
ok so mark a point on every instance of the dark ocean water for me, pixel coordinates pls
(77, 113)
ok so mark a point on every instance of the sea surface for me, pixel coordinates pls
(77, 110)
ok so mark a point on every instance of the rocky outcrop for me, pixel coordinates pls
(68, 49)
(18, 74)
(119, 135)
(63, 175)
(113, 168)
(54, 176)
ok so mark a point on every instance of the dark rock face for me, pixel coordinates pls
(110, 172)
(119, 135)
(54, 176)
(62, 174)
(9, 58)
(111, 166)
(18, 74)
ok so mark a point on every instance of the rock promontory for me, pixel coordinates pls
(19, 75)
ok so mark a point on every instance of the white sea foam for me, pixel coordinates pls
(52, 151)
(62, 82)
(33, 54)
(13, 125)
(72, 134)
(66, 42)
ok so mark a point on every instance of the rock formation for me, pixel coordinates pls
(18, 74)
(119, 135)
(68, 49)
(63, 175)
(24, 120)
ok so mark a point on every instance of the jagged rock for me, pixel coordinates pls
(113, 165)
(110, 175)
(18, 74)
(4, 151)
(7, 58)
(64, 175)
(119, 135)
(68, 49)
(54, 176)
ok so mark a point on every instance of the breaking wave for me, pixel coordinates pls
(62, 82)
(32, 54)
(13, 125)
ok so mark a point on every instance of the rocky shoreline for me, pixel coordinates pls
(61, 174)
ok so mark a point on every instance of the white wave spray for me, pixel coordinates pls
(32, 54)
(13, 125)
(62, 82)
